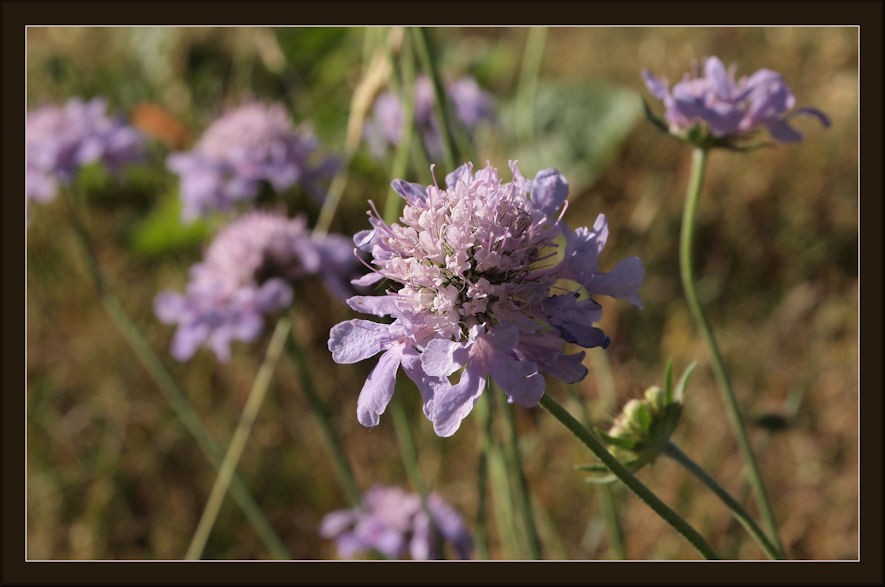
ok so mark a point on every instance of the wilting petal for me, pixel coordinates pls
(378, 389)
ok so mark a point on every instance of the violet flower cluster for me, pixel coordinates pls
(472, 105)
(394, 524)
(59, 140)
(246, 273)
(483, 277)
(728, 107)
(246, 146)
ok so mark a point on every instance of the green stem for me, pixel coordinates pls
(522, 490)
(176, 398)
(451, 155)
(406, 92)
(238, 441)
(699, 162)
(483, 420)
(607, 500)
(339, 460)
(621, 472)
(528, 82)
(503, 502)
(410, 461)
(673, 451)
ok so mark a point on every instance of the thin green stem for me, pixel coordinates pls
(410, 459)
(238, 441)
(528, 82)
(673, 451)
(523, 496)
(483, 421)
(339, 461)
(621, 472)
(176, 398)
(503, 502)
(699, 163)
(405, 89)
(607, 499)
(441, 108)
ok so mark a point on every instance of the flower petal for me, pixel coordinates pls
(355, 340)
(520, 380)
(442, 357)
(451, 407)
(622, 282)
(378, 389)
(549, 190)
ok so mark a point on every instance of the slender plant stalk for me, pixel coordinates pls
(483, 421)
(528, 82)
(698, 165)
(673, 451)
(503, 502)
(339, 461)
(451, 156)
(405, 89)
(621, 472)
(238, 441)
(606, 491)
(523, 497)
(176, 398)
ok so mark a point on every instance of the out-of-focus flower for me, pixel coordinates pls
(246, 273)
(729, 108)
(394, 524)
(484, 276)
(471, 104)
(59, 140)
(246, 146)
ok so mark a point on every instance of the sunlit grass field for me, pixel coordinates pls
(113, 474)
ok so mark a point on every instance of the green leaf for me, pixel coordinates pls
(683, 381)
(626, 443)
(162, 231)
(668, 382)
(577, 128)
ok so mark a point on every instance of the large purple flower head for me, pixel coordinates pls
(246, 146)
(486, 278)
(394, 524)
(246, 273)
(730, 108)
(59, 140)
(471, 104)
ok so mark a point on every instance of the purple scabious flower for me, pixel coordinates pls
(471, 104)
(483, 277)
(394, 524)
(730, 108)
(59, 140)
(246, 273)
(246, 146)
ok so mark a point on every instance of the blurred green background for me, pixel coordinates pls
(112, 474)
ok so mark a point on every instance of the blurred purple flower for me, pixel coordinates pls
(243, 148)
(730, 108)
(59, 140)
(393, 523)
(246, 273)
(471, 104)
(484, 276)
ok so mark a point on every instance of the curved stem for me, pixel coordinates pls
(238, 441)
(441, 101)
(176, 398)
(621, 472)
(339, 460)
(698, 165)
(522, 489)
(673, 451)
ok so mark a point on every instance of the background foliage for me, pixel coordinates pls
(113, 475)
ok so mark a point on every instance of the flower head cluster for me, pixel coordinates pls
(246, 146)
(61, 139)
(483, 276)
(472, 105)
(247, 273)
(727, 107)
(394, 524)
